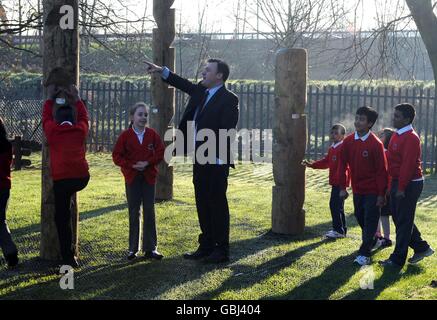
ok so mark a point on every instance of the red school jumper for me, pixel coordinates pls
(331, 161)
(404, 157)
(367, 162)
(128, 151)
(66, 143)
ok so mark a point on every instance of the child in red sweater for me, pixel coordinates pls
(331, 161)
(8, 246)
(384, 221)
(66, 134)
(364, 153)
(405, 169)
(138, 151)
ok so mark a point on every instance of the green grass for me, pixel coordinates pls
(263, 265)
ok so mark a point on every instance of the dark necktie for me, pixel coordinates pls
(202, 104)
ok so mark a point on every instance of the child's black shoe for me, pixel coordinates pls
(12, 259)
(386, 243)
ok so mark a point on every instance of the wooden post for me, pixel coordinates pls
(163, 97)
(289, 142)
(17, 153)
(61, 49)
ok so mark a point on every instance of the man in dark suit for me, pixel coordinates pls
(211, 106)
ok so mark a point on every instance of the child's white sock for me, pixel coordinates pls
(385, 222)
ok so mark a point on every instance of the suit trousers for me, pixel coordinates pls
(210, 186)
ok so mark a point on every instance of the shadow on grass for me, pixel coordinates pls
(16, 233)
(148, 280)
(324, 285)
(89, 215)
(245, 276)
(387, 279)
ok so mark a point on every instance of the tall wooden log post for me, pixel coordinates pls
(163, 97)
(289, 141)
(61, 49)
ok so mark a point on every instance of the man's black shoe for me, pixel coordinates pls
(131, 256)
(153, 255)
(217, 257)
(72, 262)
(197, 255)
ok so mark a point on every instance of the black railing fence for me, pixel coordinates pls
(109, 102)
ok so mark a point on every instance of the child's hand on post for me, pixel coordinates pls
(307, 163)
(73, 93)
(52, 90)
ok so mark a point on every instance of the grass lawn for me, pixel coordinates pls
(263, 265)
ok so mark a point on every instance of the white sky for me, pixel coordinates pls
(220, 14)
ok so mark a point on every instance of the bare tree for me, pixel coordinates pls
(97, 17)
(424, 15)
(292, 22)
(393, 49)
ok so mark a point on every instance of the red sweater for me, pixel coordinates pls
(128, 151)
(66, 143)
(331, 161)
(5, 167)
(404, 158)
(368, 165)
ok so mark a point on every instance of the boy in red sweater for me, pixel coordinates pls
(364, 153)
(66, 135)
(138, 151)
(405, 169)
(331, 160)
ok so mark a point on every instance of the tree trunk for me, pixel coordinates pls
(163, 108)
(61, 49)
(289, 141)
(426, 22)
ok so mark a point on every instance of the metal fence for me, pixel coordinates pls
(108, 105)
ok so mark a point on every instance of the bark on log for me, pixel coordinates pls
(289, 142)
(163, 108)
(61, 49)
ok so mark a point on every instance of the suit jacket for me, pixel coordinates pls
(221, 112)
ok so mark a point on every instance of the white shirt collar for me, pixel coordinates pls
(404, 129)
(66, 122)
(335, 145)
(363, 138)
(138, 133)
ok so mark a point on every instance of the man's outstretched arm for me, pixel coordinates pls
(171, 78)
